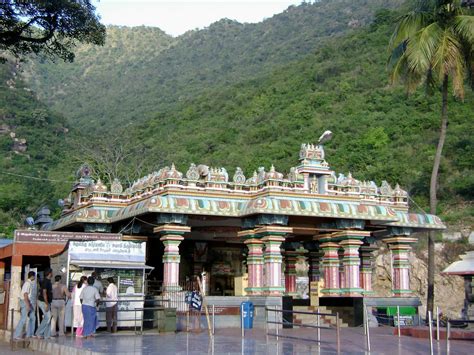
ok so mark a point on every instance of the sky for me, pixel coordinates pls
(178, 16)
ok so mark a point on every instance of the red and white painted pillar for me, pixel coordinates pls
(172, 235)
(351, 264)
(254, 263)
(273, 236)
(290, 272)
(400, 248)
(331, 269)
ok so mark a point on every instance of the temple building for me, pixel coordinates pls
(263, 225)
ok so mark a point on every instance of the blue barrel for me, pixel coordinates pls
(247, 312)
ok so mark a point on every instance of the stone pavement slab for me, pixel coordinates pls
(229, 341)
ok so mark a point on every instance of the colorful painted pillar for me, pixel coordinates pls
(273, 236)
(351, 241)
(366, 268)
(254, 262)
(400, 247)
(314, 260)
(331, 268)
(171, 236)
(290, 272)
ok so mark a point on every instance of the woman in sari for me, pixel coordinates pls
(78, 320)
(89, 298)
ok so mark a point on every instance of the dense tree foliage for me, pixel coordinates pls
(140, 70)
(23, 117)
(433, 44)
(48, 27)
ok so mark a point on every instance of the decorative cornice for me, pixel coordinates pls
(171, 229)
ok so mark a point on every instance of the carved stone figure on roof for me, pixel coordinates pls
(340, 178)
(84, 174)
(314, 185)
(386, 189)
(239, 177)
(292, 175)
(173, 173)
(310, 152)
(192, 173)
(252, 180)
(116, 187)
(100, 187)
(273, 174)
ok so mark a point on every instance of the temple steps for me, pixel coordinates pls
(311, 319)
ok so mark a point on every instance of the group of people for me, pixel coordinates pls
(51, 300)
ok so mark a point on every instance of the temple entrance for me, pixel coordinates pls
(222, 264)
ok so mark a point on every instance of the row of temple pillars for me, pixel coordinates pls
(343, 261)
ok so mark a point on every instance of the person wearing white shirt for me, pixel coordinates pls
(111, 305)
(27, 305)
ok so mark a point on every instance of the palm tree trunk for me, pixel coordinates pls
(433, 198)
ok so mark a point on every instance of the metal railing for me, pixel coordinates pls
(318, 325)
(122, 311)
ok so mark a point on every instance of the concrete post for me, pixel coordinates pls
(15, 289)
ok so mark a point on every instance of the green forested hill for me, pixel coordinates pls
(31, 143)
(142, 70)
(235, 95)
(379, 131)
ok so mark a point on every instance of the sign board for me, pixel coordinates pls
(404, 320)
(196, 301)
(53, 237)
(108, 250)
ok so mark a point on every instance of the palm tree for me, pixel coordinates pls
(433, 44)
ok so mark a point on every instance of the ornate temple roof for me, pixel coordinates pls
(310, 189)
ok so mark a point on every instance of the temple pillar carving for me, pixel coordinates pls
(171, 236)
(366, 268)
(351, 264)
(331, 268)
(290, 272)
(351, 240)
(273, 236)
(254, 262)
(314, 260)
(400, 248)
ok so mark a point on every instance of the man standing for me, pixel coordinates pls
(44, 299)
(97, 283)
(58, 306)
(27, 306)
(111, 306)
